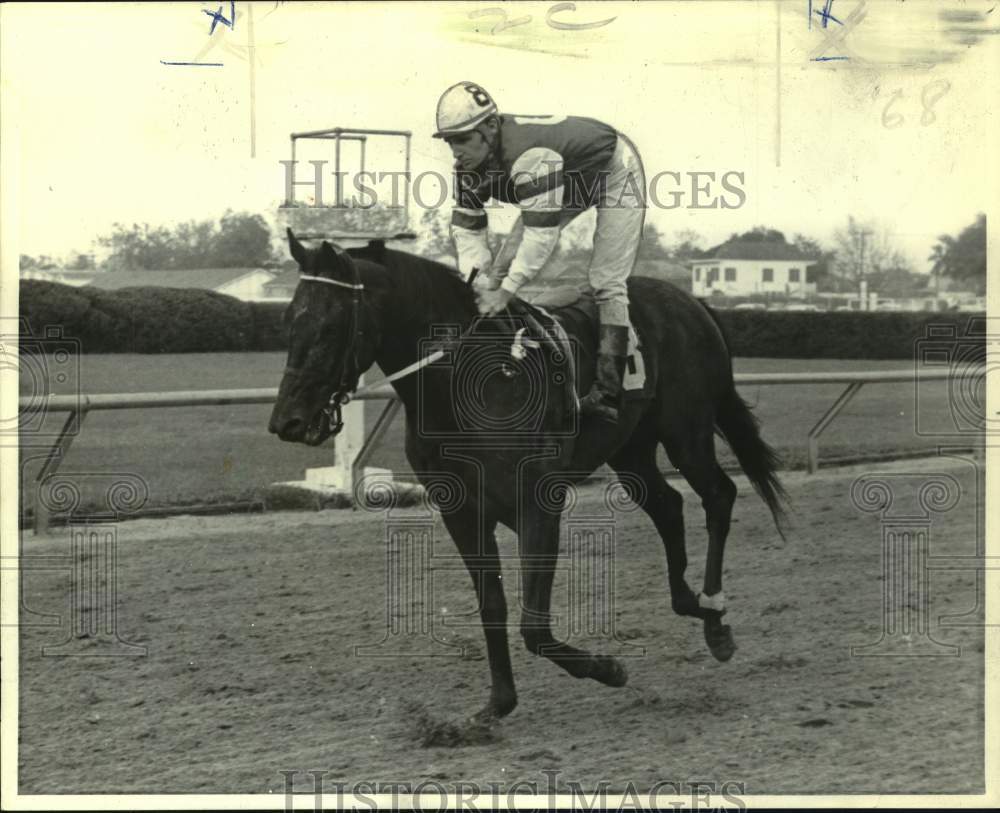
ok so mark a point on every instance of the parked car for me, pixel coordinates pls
(802, 306)
(750, 306)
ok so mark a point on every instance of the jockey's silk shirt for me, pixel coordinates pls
(551, 168)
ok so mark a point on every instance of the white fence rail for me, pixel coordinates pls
(354, 448)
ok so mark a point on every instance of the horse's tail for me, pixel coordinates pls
(741, 430)
(722, 331)
(759, 461)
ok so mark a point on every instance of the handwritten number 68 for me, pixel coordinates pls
(929, 96)
(550, 19)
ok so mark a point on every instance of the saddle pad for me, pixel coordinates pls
(579, 319)
(635, 366)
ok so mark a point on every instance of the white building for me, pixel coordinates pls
(741, 268)
(247, 284)
(281, 288)
(64, 276)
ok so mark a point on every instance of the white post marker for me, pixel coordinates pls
(346, 447)
(349, 442)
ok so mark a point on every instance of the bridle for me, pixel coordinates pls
(342, 394)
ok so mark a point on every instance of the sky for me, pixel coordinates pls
(101, 131)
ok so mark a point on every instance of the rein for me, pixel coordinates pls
(353, 286)
(343, 395)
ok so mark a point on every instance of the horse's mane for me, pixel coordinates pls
(438, 291)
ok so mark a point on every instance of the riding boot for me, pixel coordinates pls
(612, 353)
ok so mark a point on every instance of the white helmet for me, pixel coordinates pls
(463, 107)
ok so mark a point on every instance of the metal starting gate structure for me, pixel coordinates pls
(319, 222)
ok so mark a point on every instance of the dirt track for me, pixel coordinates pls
(251, 624)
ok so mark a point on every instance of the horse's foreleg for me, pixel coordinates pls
(476, 542)
(539, 540)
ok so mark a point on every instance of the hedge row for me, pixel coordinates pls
(177, 320)
(152, 320)
(847, 335)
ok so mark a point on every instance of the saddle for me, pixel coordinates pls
(567, 319)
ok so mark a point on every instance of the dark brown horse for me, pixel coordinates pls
(494, 414)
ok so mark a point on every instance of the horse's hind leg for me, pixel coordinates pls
(694, 456)
(646, 486)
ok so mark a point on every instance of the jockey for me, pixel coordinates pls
(552, 168)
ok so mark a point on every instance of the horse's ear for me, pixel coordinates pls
(297, 249)
(328, 251)
(334, 253)
(375, 250)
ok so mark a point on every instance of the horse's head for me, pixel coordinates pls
(332, 341)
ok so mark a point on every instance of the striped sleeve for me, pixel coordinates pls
(537, 175)
(468, 226)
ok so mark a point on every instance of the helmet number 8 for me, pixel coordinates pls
(480, 96)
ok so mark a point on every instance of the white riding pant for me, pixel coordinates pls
(621, 211)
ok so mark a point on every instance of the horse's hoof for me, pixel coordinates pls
(719, 638)
(609, 671)
(686, 603)
(486, 717)
(498, 707)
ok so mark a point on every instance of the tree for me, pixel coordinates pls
(240, 240)
(662, 260)
(821, 269)
(81, 262)
(195, 242)
(652, 246)
(42, 261)
(759, 234)
(897, 281)
(865, 252)
(434, 234)
(963, 258)
(139, 248)
(687, 245)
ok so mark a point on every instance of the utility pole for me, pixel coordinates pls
(862, 282)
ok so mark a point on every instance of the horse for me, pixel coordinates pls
(355, 308)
